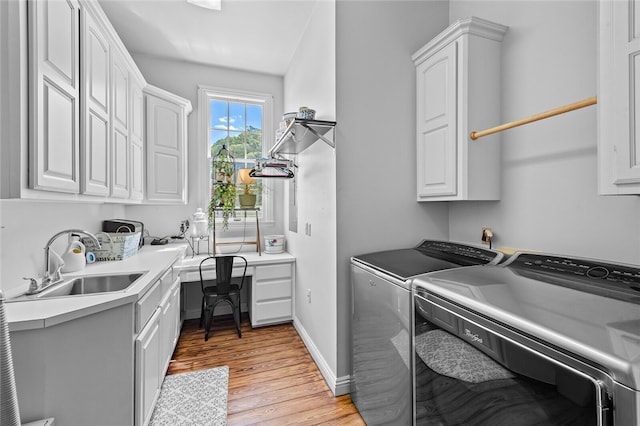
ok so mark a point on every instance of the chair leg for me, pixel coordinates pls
(209, 318)
(207, 321)
(237, 315)
(201, 313)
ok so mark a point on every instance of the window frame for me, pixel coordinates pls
(207, 93)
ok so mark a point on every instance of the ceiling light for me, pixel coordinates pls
(207, 4)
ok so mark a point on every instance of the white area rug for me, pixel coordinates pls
(194, 398)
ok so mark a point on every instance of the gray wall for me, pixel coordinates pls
(182, 78)
(549, 187)
(375, 153)
(310, 81)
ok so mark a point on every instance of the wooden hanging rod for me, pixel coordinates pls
(556, 111)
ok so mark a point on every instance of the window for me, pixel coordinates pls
(242, 122)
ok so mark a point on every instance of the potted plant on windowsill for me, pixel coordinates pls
(247, 198)
(223, 193)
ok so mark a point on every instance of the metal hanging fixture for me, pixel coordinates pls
(273, 168)
(224, 166)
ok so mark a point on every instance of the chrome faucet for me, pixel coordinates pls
(48, 278)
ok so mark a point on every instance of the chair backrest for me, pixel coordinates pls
(224, 270)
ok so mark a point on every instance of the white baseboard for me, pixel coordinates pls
(337, 385)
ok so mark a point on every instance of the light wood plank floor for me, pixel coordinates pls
(272, 377)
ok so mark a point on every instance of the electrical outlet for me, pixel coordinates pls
(487, 235)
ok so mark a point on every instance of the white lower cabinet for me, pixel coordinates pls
(101, 368)
(158, 321)
(271, 295)
(169, 325)
(78, 371)
(148, 379)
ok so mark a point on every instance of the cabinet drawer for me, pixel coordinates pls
(147, 305)
(166, 282)
(277, 289)
(272, 311)
(270, 272)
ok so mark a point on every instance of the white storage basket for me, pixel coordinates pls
(274, 244)
(114, 246)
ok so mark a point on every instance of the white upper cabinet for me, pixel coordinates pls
(166, 143)
(97, 131)
(86, 107)
(120, 148)
(136, 136)
(458, 91)
(96, 80)
(619, 97)
(54, 98)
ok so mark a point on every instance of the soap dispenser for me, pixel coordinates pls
(74, 256)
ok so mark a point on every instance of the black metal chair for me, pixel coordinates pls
(222, 289)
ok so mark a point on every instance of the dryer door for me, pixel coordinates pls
(468, 373)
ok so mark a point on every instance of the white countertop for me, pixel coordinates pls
(152, 261)
(47, 312)
(253, 259)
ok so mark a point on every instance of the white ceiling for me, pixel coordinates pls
(254, 35)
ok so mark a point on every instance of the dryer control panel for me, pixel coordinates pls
(607, 279)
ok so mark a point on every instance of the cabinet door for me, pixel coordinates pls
(436, 122)
(136, 134)
(169, 325)
(96, 84)
(177, 323)
(120, 148)
(166, 168)
(619, 97)
(166, 333)
(147, 375)
(54, 154)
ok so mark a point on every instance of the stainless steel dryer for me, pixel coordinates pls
(538, 340)
(381, 385)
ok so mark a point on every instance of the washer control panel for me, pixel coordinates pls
(617, 277)
(473, 255)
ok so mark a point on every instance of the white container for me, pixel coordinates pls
(200, 224)
(75, 257)
(274, 244)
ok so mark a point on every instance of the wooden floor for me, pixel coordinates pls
(272, 378)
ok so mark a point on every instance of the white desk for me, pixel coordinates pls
(270, 294)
